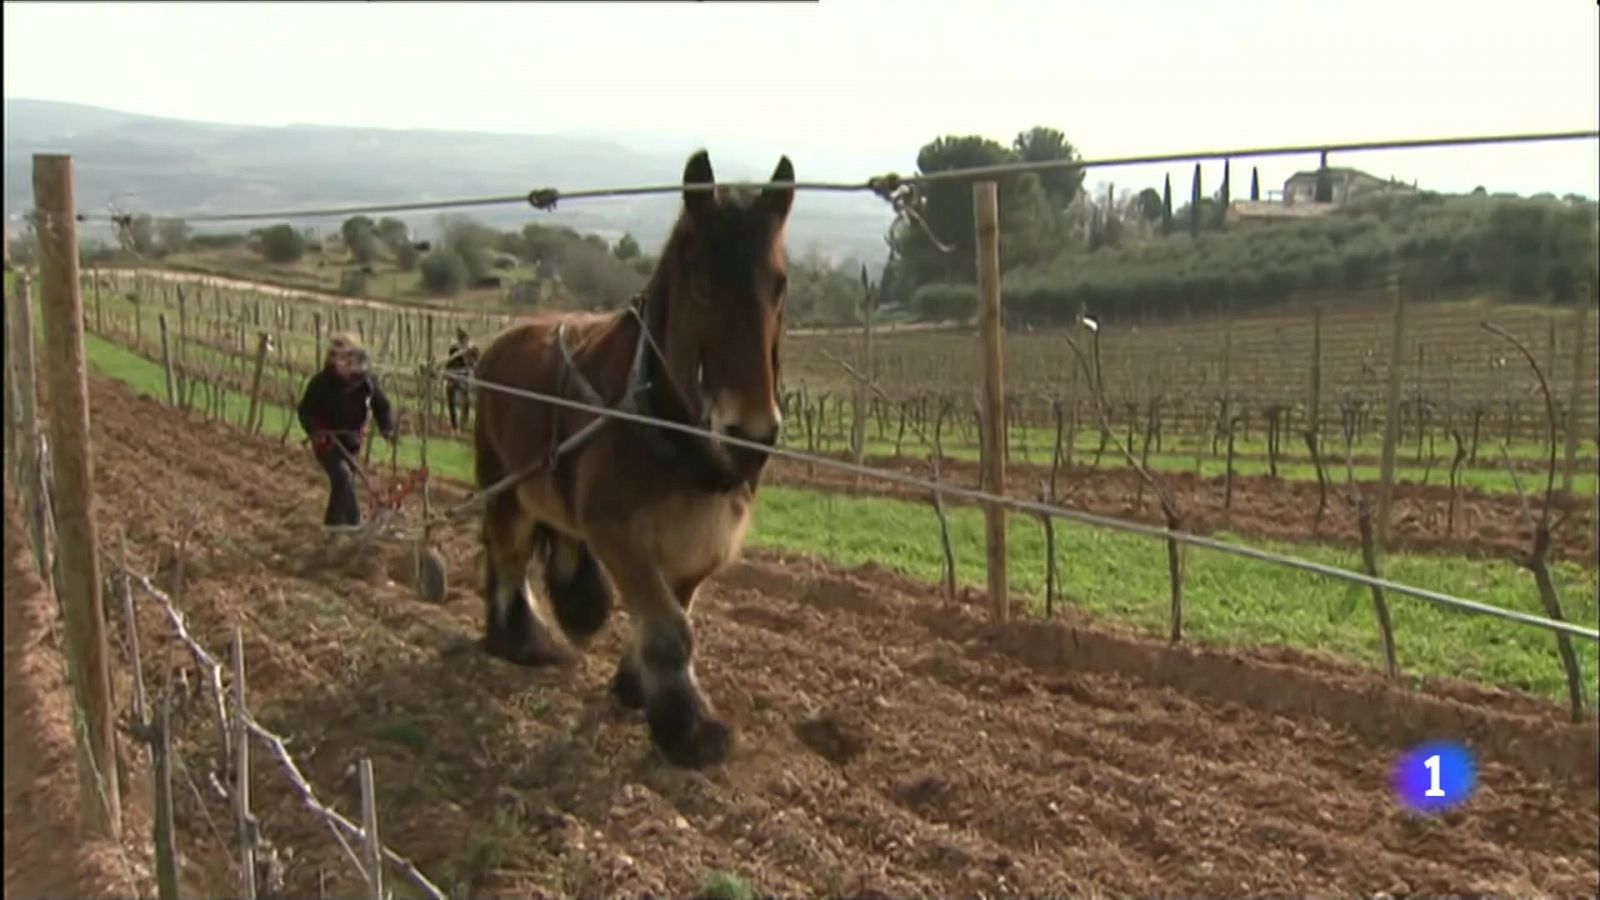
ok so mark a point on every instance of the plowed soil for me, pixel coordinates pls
(48, 852)
(890, 745)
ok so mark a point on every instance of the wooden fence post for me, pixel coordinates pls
(986, 208)
(81, 599)
(1391, 409)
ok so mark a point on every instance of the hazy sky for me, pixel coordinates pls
(876, 78)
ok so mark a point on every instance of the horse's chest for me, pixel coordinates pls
(692, 537)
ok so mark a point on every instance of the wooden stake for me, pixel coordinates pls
(1391, 414)
(241, 774)
(54, 194)
(986, 207)
(22, 338)
(427, 421)
(1314, 403)
(372, 847)
(166, 360)
(1580, 337)
(165, 828)
(12, 401)
(262, 343)
(858, 429)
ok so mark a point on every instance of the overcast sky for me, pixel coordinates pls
(871, 77)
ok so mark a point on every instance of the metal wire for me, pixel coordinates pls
(1045, 509)
(1289, 150)
(883, 185)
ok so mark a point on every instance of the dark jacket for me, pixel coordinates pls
(331, 403)
(462, 358)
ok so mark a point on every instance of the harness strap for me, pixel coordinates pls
(636, 387)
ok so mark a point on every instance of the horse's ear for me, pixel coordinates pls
(776, 200)
(698, 171)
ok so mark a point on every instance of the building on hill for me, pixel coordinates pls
(1348, 184)
(1265, 211)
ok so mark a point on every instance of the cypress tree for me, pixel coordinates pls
(1226, 194)
(1166, 205)
(1194, 204)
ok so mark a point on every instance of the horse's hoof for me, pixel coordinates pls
(627, 688)
(692, 743)
(527, 653)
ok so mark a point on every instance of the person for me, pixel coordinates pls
(333, 412)
(462, 359)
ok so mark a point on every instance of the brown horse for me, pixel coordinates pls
(658, 511)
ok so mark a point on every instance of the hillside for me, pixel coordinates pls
(157, 165)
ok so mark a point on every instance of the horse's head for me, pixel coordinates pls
(727, 274)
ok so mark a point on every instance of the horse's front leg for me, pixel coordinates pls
(626, 685)
(658, 672)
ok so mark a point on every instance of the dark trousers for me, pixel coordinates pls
(344, 508)
(454, 394)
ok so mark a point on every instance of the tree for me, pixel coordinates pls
(393, 232)
(1150, 204)
(361, 238)
(1194, 204)
(1166, 205)
(473, 242)
(821, 293)
(596, 277)
(627, 248)
(353, 226)
(405, 256)
(137, 235)
(1026, 221)
(1042, 144)
(1255, 184)
(282, 244)
(173, 235)
(444, 273)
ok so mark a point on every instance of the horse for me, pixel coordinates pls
(618, 506)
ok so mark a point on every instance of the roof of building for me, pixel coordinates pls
(1334, 170)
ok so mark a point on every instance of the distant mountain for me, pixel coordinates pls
(160, 165)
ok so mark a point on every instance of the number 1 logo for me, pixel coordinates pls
(1433, 771)
(1435, 776)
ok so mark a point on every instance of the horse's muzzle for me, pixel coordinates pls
(749, 460)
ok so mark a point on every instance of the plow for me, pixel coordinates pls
(383, 519)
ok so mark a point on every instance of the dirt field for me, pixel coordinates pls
(888, 746)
